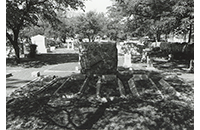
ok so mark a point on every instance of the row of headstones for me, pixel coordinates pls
(40, 41)
(128, 63)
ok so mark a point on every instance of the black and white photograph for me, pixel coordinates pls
(99, 65)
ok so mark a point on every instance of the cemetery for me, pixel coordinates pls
(130, 67)
(103, 94)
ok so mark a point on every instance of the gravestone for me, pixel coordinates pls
(39, 40)
(52, 48)
(150, 64)
(127, 60)
(98, 58)
(35, 74)
(149, 61)
(70, 44)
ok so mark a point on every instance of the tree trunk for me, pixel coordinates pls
(184, 37)
(158, 37)
(14, 42)
(166, 37)
(89, 38)
(16, 45)
(22, 47)
(17, 52)
(190, 34)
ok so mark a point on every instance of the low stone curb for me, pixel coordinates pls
(35, 79)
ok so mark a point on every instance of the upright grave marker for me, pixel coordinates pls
(39, 40)
(127, 60)
(70, 44)
(98, 58)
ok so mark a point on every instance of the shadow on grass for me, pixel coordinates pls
(14, 83)
(44, 59)
(175, 65)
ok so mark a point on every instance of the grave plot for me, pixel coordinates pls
(51, 104)
(110, 99)
(100, 60)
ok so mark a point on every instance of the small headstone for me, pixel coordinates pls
(35, 74)
(52, 48)
(144, 57)
(76, 68)
(170, 57)
(127, 60)
(149, 62)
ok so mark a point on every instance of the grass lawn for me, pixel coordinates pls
(44, 59)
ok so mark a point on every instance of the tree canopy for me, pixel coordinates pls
(90, 25)
(155, 17)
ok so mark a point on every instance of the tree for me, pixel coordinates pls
(90, 25)
(116, 27)
(184, 13)
(24, 13)
(66, 28)
(148, 17)
(155, 17)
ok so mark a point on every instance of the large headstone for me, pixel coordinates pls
(39, 40)
(98, 58)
